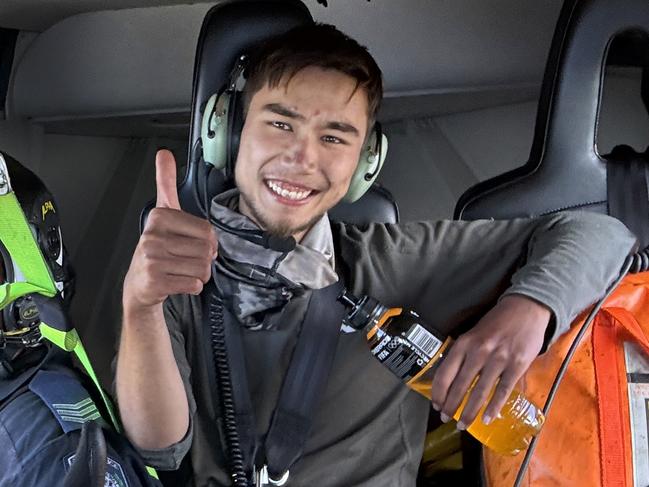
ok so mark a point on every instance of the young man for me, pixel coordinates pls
(311, 97)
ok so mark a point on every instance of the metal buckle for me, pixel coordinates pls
(5, 182)
(262, 478)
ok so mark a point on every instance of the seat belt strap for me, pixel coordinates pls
(306, 380)
(304, 383)
(627, 180)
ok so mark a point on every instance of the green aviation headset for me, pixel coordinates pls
(221, 127)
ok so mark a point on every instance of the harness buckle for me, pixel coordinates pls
(262, 478)
(5, 182)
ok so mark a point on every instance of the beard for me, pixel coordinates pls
(282, 228)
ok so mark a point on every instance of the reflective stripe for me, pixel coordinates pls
(637, 367)
(70, 342)
(26, 256)
(152, 472)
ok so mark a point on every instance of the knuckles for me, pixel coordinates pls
(195, 287)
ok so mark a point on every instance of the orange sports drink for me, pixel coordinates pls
(412, 351)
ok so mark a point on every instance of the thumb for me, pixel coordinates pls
(165, 180)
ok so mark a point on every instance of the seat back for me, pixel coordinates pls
(564, 170)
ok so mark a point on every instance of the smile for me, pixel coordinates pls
(287, 190)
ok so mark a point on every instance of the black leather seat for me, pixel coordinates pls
(564, 170)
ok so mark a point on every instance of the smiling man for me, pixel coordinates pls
(299, 149)
(507, 288)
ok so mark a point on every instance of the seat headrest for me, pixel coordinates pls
(564, 170)
(229, 30)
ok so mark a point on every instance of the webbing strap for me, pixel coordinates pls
(609, 329)
(611, 419)
(32, 274)
(627, 178)
(71, 342)
(303, 385)
(306, 379)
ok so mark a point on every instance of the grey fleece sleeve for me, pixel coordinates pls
(451, 272)
(571, 263)
(170, 458)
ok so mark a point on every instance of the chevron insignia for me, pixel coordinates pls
(80, 412)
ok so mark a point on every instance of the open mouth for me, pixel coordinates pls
(289, 191)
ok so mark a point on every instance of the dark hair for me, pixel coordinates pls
(319, 45)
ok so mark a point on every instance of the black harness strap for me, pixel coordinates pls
(303, 385)
(306, 379)
(628, 193)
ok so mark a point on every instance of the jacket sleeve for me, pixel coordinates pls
(170, 458)
(451, 272)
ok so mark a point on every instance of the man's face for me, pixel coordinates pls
(300, 145)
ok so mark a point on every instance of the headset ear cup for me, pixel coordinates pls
(235, 125)
(214, 130)
(369, 165)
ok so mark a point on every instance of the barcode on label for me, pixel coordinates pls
(424, 340)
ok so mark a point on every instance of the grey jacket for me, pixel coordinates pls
(370, 428)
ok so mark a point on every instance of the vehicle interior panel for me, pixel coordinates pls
(92, 92)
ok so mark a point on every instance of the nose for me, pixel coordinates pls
(303, 152)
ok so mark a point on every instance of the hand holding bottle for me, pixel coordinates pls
(497, 351)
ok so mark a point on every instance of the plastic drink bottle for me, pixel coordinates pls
(412, 351)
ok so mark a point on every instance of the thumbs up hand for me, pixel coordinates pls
(175, 251)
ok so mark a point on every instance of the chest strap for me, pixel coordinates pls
(303, 385)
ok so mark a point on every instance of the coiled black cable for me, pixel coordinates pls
(224, 382)
(634, 264)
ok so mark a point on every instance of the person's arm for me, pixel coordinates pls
(545, 271)
(173, 256)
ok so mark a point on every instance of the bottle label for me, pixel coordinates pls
(405, 354)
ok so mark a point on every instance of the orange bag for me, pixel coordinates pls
(587, 438)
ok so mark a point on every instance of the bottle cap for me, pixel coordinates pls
(362, 309)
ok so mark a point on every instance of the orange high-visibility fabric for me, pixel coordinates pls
(586, 440)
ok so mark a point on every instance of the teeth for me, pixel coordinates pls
(288, 194)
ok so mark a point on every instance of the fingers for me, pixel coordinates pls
(178, 231)
(471, 373)
(481, 392)
(445, 375)
(181, 246)
(459, 389)
(502, 392)
(165, 178)
(181, 266)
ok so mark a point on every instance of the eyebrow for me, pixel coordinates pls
(280, 109)
(284, 111)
